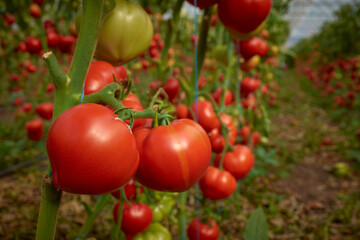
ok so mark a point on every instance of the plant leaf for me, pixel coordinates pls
(256, 227)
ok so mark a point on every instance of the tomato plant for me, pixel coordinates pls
(204, 230)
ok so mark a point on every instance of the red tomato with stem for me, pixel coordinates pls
(217, 184)
(45, 110)
(174, 157)
(122, 72)
(133, 102)
(99, 75)
(253, 46)
(130, 190)
(207, 230)
(249, 85)
(229, 97)
(91, 151)
(135, 218)
(182, 111)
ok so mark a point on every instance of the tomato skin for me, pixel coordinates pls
(249, 85)
(45, 110)
(119, 47)
(34, 129)
(243, 16)
(133, 102)
(135, 219)
(35, 10)
(52, 39)
(202, 4)
(99, 75)
(130, 190)
(173, 157)
(209, 231)
(244, 133)
(66, 43)
(229, 97)
(252, 47)
(217, 139)
(182, 111)
(27, 107)
(33, 45)
(217, 184)
(156, 231)
(238, 162)
(255, 136)
(206, 115)
(122, 72)
(172, 88)
(91, 151)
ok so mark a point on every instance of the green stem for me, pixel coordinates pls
(182, 213)
(90, 220)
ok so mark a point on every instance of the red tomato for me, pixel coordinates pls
(172, 88)
(22, 47)
(50, 87)
(66, 43)
(217, 184)
(91, 151)
(15, 77)
(34, 129)
(35, 10)
(238, 162)
(27, 107)
(253, 46)
(249, 85)
(229, 97)
(48, 24)
(99, 75)
(9, 19)
(206, 115)
(181, 111)
(207, 231)
(52, 39)
(130, 190)
(217, 140)
(255, 136)
(249, 102)
(122, 72)
(244, 133)
(243, 16)
(203, 3)
(133, 102)
(33, 45)
(18, 101)
(135, 219)
(45, 110)
(173, 157)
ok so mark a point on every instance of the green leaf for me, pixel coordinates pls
(256, 227)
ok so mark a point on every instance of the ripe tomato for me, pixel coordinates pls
(52, 39)
(35, 10)
(181, 111)
(130, 190)
(243, 16)
(229, 97)
(133, 102)
(172, 88)
(66, 43)
(135, 218)
(134, 38)
(206, 115)
(206, 231)
(249, 85)
(34, 129)
(173, 157)
(33, 45)
(217, 139)
(217, 184)
(203, 3)
(91, 151)
(249, 102)
(238, 162)
(253, 46)
(255, 136)
(99, 75)
(45, 110)
(244, 133)
(122, 72)
(27, 107)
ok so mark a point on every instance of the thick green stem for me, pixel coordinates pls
(182, 214)
(56, 73)
(90, 220)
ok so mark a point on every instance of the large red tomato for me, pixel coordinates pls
(91, 151)
(238, 162)
(99, 75)
(135, 218)
(206, 115)
(217, 184)
(252, 47)
(206, 231)
(174, 157)
(243, 16)
(203, 3)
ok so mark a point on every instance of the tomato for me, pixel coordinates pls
(99, 75)
(244, 133)
(206, 115)
(249, 85)
(156, 231)
(238, 162)
(45, 110)
(34, 129)
(249, 102)
(255, 136)
(27, 107)
(243, 16)
(50, 87)
(252, 47)
(250, 64)
(203, 3)
(182, 111)
(265, 33)
(66, 43)
(206, 231)
(35, 10)
(217, 140)
(162, 208)
(91, 151)
(18, 101)
(173, 157)
(172, 88)
(52, 39)
(130, 190)
(135, 218)
(122, 72)
(33, 45)
(217, 184)
(229, 97)
(119, 47)
(9, 19)
(133, 102)
(48, 24)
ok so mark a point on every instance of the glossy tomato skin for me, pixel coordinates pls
(172, 88)
(119, 47)
(217, 184)
(229, 97)
(66, 43)
(35, 129)
(182, 111)
(206, 115)
(52, 39)
(208, 231)
(249, 85)
(243, 16)
(33, 45)
(135, 218)
(252, 47)
(122, 72)
(99, 75)
(202, 4)
(238, 162)
(173, 157)
(45, 110)
(91, 151)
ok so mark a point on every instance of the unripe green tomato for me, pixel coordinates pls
(125, 33)
(166, 205)
(341, 169)
(156, 231)
(220, 54)
(157, 213)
